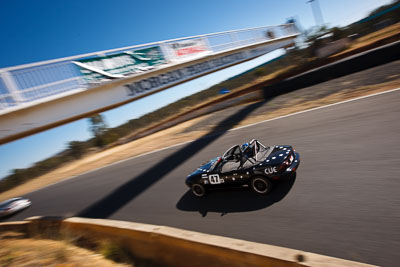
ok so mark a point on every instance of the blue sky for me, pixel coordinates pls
(42, 29)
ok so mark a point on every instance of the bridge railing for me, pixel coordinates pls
(39, 82)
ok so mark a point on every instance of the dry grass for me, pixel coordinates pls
(371, 38)
(18, 251)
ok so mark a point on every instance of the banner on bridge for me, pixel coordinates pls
(186, 50)
(100, 69)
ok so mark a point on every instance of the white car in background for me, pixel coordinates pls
(13, 205)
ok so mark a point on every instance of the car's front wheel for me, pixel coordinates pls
(198, 190)
(261, 185)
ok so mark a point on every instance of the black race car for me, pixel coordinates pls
(251, 164)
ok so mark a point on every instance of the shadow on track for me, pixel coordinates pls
(234, 200)
(111, 203)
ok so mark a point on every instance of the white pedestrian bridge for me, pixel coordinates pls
(38, 96)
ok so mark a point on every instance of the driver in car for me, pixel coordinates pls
(248, 150)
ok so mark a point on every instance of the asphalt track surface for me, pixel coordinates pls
(344, 202)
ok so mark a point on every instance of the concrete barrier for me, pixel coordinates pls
(169, 246)
(21, 227)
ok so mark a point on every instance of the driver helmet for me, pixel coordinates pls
(245, 146)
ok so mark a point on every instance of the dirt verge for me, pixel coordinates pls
(17, 250)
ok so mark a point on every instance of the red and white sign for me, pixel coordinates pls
(188, 49)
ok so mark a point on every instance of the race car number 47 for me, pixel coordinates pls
(214, 179)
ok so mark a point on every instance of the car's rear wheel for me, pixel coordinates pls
(198, 190)
(261, 185)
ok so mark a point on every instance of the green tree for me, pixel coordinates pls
(77, 149)
(98, 127)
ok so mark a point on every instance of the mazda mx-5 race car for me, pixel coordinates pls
(251, 164)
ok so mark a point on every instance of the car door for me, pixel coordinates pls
(230, 167)
(229, 171)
